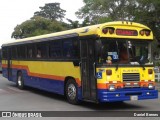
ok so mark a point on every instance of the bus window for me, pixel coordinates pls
(31, 51)
(70, 48)
(14, 52)
(107, 51)
(21, 52)
(139, 52)
(4, 53)
(41, 51)
(67, 48)
(55, 49)
(123, 53)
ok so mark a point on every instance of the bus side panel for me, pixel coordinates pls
(47, 76)
(4, 68)
(4, 72)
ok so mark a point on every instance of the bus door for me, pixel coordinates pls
(88, 68)
(9, 67)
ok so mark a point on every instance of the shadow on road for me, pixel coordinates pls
(93, 106)
(112, 106)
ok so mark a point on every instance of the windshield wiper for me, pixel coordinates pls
(117, 66)
(140, 61)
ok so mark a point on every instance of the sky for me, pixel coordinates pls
(14, 12)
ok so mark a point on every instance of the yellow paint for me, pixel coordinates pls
(96, 30)
(117, 74)
(63, 69)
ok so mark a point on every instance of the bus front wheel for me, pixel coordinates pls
(20, 82)
(71, 92)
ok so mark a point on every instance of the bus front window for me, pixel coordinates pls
(117, 51)
(107, 51)
(139, 52)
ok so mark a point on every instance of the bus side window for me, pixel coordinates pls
(41, 50)
(39, 54)
(70, 48)
(55, 49)
(4, 53)
(21, 50)
(14, 52)
(31, 51)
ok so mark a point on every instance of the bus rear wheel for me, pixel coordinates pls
(20, 82)
(71, 92)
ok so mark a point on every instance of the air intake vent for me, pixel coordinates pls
(131, 77)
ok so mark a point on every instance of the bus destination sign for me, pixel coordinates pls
(126, 32)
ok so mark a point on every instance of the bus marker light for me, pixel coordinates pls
(147, 32)
(108, 72)
(105, 30)
(141, 32)
(150, 71)
(111, 30)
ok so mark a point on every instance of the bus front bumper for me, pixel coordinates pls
(126, 95)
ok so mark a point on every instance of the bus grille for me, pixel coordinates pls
(131, 77)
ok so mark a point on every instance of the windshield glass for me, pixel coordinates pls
(118, 51)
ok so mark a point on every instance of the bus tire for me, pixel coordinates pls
(20, 82)
(71, 91)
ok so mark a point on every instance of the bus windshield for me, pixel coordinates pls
(118, 51)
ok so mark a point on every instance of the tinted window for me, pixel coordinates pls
(31, 51)
(55, 49)
(4, 53)
(41, 51)
(14, 52)
(21, 52)
(70, 48)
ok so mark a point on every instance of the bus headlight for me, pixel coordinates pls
(150, 86)
(111, 88)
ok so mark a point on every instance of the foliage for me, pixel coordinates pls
(73, 24)
(51, 11)
(36, 26)
(105, 9)
(144, 11)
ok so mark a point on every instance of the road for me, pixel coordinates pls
(13, 99)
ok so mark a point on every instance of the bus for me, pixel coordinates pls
(109, 62)
(0, 61)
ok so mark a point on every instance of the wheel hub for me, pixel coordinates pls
(72, 91)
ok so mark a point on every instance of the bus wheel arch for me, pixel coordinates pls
(71, 90)
(20, 80)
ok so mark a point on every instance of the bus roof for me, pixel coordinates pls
(84, 31)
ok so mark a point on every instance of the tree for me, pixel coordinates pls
(73, 24)
(143, 11)
(36, 26)
(106, 9)
(51, 11)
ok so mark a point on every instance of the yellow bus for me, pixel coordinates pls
(107, 62)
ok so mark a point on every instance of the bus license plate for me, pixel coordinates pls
(134, 97)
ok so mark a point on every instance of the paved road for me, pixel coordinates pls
(13, 99)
